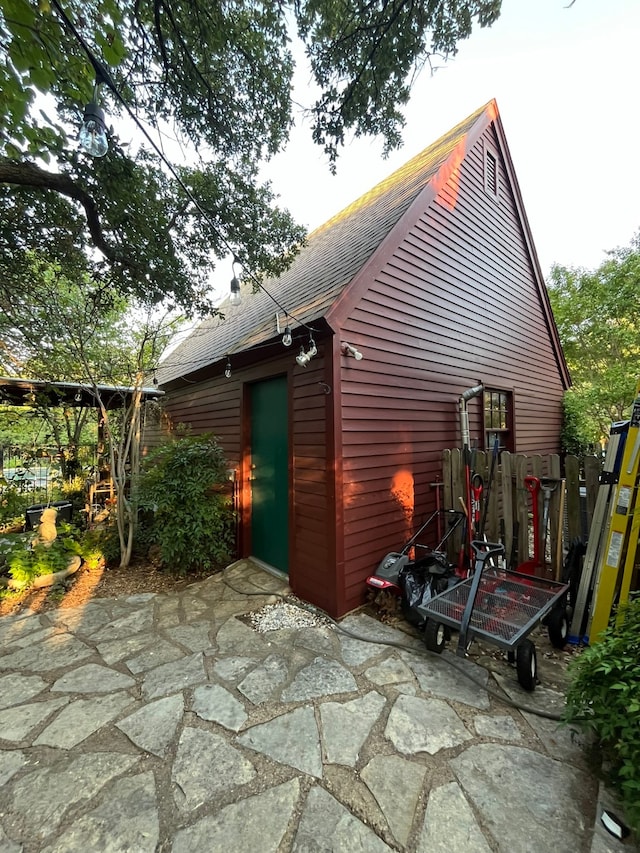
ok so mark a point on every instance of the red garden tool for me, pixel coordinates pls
(529, 567)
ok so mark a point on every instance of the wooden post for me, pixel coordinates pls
(506, 492)
(555, 517)
(574, 522)
(522, 508)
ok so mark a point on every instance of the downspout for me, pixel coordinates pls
(467, 395)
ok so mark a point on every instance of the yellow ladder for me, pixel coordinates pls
(619, 556)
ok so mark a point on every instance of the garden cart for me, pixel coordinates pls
(496, 605)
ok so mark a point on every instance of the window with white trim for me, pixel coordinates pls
(498, 419)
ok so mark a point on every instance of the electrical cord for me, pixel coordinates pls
(318, 611)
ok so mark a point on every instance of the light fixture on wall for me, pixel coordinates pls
(227, 369)
(305, 357)
(235, 297)
(93, 133)
(349, 350)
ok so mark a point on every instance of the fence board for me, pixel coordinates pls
(509, 517)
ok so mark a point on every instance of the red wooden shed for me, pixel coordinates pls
(432, 278)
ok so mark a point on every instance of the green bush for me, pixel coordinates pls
(604, 698)
(13, 504)
(192, 520)
(26, 563)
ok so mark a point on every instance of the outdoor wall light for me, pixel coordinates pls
(235, 297)
(347, 349)
(93, 133)
(305, 357)
(78, 396)
(227, 369)
(287, 339)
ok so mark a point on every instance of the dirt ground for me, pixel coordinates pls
(79, 588)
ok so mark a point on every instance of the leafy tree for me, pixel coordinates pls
(61, 330)
(218, 78)
(597, 316)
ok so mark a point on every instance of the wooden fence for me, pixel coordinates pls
(509, 512)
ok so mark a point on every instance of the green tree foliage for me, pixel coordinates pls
(55, 330)
(217, 77)
(597, 316)
(192, 521)
(604, 699)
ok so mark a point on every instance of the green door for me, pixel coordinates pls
(270, 473)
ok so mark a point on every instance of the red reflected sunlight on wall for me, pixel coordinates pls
(402, 492)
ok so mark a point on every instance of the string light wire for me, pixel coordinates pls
(103, 76)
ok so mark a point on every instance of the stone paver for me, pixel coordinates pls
(346, 726)
(291, 739)
(18, 721)
(396, 784)
(424, 725)
(262, 682)
(170, 677)
(16, 689)
(92, 678)
(153, 726)
(321, 678)
(212, 702)
(167, 723)
(449, 824)
(257, 823)
(127, 820)
(326, 825)
(484, 770)
(81, 719)
(206, 765)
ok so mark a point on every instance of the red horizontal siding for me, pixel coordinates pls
(456, 304)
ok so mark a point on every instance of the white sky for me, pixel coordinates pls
(566, 82)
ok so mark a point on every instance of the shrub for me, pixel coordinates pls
(192, 523)
(13, 504)
(25, 564)
(604, 698)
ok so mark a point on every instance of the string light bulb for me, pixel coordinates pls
(93, 133)
(78, 396)
(235, 297)
(305, 357)
(287, 339)
(227, 370)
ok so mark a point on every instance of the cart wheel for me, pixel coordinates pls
(526, 665)
(558, 627)
(511, 656)
(434, 636)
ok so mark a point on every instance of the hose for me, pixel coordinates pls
(317, 611)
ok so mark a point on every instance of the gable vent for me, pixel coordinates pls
(491, 173)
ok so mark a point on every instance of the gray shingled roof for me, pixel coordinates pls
(332, 256)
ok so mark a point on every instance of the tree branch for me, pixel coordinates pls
(31, 175)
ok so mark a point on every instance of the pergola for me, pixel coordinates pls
(21, 392)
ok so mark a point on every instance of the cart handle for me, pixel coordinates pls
(486, 550)
(483, 551)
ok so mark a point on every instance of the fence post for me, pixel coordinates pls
(574, 521)
(506, 486)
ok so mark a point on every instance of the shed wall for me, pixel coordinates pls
(457, 304)
(219, 405)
